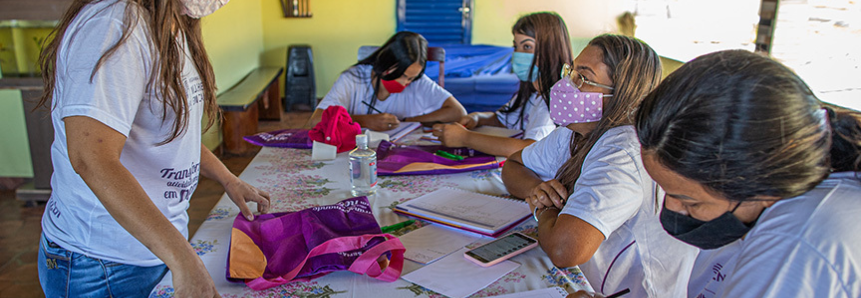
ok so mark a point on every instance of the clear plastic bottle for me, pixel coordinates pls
(363, 168)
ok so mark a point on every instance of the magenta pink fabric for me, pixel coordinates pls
(336, 128)
(310, 243)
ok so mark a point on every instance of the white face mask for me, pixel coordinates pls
(201, 8)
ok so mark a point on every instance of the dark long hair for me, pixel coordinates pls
(403, 49)
(552, 50)
(744, 125)
(635, 69)
(165, 22)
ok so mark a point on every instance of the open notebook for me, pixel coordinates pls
(402, 130)
(474, 212)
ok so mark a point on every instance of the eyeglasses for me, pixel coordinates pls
(578, 79)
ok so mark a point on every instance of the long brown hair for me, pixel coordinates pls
(635, 69)
(165, 22)
(552, 50)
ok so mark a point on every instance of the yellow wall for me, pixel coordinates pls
(335, 32)
(339, 27)
(585, 18)
(234, 41)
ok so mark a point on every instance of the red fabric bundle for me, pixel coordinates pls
(337, 129)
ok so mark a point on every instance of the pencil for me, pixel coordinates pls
(372, 107)
(619, 293)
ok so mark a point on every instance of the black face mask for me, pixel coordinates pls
(704, 234)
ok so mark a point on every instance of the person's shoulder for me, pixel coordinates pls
(356, 74)
(109, 11)
(621, 136)
(823, 218)
(560, 132)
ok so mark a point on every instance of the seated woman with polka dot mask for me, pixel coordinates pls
(595, 204)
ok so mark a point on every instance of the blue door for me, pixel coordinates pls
(439, 21)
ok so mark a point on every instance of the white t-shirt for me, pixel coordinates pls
(807, 246)
(354, 86)
(118, 97)
(616, 195)
(711, 269)
(536, 118)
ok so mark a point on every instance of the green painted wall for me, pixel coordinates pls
(14, 149)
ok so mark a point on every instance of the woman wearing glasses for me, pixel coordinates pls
(595, 205)
(541, 47)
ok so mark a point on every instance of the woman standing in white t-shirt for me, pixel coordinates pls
(595, 205)
(390, 86)
(759, 173)
(541, 47)
(128, 82)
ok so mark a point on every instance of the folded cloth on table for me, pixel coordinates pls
(422, 160)
(336, 128)
(278, 248)
(285, 138)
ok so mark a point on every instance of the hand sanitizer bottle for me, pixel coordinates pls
(363, 168)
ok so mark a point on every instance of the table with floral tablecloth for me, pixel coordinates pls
(296, 182)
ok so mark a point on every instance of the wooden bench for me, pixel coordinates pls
(242, 108)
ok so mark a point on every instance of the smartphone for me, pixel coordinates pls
(500, 249)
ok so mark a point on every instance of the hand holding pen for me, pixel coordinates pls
(379, 122)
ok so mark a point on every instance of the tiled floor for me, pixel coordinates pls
(20, 225)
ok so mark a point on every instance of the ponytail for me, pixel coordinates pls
(845, 138)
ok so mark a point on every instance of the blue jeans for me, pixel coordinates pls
(63, 273)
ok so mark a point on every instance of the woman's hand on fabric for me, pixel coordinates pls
(451, 135)
(549, 193)
(584, 294)
(381, 122)
(192, 280)
(240, 192)
(469, 121)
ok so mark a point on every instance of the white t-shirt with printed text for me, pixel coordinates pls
(353, 86)
(807, 246)
(536, 122)
(119, 97)
(616, 195)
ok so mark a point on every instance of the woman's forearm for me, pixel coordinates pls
(518, 179)
(494, 145)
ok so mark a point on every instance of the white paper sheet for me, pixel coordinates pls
(432, 242)
(456, 277)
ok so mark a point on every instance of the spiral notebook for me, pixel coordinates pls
(466, 210)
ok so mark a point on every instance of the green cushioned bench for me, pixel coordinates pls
(242, 107)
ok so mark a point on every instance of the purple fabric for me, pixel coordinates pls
(391, 158)
(286, 138)
(286, 238)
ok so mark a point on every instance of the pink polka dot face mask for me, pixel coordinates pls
(569, 105)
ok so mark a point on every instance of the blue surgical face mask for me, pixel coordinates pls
(520, 63)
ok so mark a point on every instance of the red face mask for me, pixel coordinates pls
(393, 86)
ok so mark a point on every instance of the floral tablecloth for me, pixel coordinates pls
(296, 182)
